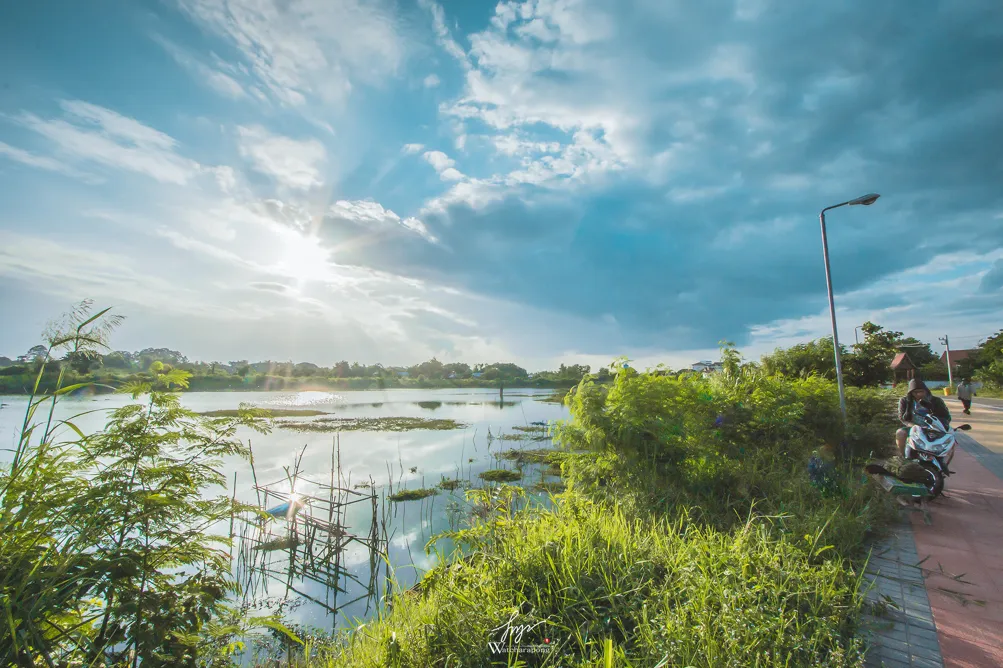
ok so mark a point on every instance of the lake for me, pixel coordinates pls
(411, 459)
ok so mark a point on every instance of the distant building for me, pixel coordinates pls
(957, 356)
(707, 366)
(452, 375)
(476, 374)
(903, 368)
(403, 374)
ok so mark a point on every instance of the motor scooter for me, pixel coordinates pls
(931, 444)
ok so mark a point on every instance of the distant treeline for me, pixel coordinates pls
(18, 376)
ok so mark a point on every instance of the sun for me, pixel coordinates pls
(303, 259)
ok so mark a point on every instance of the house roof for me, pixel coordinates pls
(902, 361)
(958, 355)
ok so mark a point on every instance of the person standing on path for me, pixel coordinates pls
(965, 394)
(913, 406)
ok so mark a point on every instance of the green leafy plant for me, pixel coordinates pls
(111, 549)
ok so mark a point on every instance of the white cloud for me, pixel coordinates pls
(214, 78)
(295, 164)
(103, 136)
(512, 144)
(443, 164)
(450, 174)
(475, 193)
(368, 212)
(790, 182)
(431, 81)
(439, 160)
(411, 149)
(442, 33)
(307, 48)
(72, 272)
(749, 10)
(43, 162)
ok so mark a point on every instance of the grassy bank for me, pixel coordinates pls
(691, 535)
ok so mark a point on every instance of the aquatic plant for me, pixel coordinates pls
(500, 475)
(413, 494)
(372, 424)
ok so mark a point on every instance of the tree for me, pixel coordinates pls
(118, 360)
(988, 364)
(935, 370)
(305, 369)
(730, 358)
(343, 369)
(505, 371)
(82, 361)
(34, 354)
(815, 357)
(148, 356)
(430, 369)
(459, 368)
(574, 372)
(870, 363)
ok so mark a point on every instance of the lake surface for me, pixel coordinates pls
(411, 459)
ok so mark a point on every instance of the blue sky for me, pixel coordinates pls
(538, 181)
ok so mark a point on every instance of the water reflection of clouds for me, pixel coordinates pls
(363, 454)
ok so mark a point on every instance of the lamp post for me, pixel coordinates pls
(855, 339)
(866, 200)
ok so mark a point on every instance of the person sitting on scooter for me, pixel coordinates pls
(917, 403)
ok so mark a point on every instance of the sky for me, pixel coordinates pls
(543, 181)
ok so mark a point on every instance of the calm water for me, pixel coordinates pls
(461, 453)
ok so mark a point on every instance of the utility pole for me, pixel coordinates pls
(950, 375)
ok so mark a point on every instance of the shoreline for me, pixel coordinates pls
(322, 388)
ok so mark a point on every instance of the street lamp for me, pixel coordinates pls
(855, 339)
(866, 200)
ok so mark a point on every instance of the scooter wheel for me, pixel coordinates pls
(935, 480)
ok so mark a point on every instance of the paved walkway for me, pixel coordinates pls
(959, 558)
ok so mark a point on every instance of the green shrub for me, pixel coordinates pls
(108, 547)
(690, 534)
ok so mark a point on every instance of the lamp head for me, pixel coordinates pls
(866, 200)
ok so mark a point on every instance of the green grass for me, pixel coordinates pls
(267, 412)
(681, 539)
(538, 456)
(500, 475)
(556, 397)
(373, 424)
(413, 494)
(553, 469)
(526, 436)
(689, 534)
(531, 428)
(656, 590)
(549, 486)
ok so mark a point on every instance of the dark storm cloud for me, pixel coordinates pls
(830, 102)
